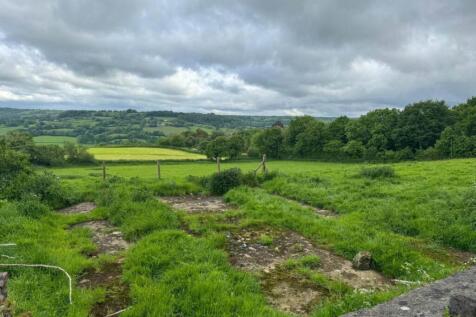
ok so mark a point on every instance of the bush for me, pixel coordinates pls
(252, 179)
(31, 206)
(378, 172)
(222, 182)
(428, 154)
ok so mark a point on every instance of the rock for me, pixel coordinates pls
(462, 306)
(362, 260)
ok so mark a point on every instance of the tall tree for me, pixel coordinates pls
(271, 142)
(421, 124)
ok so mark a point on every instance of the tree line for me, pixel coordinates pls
(46, 155)
(423, 130)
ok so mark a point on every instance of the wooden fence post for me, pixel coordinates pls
(158, 169)
(218, 164)
(103, 170)
(264, 164)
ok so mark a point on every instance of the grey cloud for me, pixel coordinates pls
(271, 56)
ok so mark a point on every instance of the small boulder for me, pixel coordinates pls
(462, 306)
(362, 261)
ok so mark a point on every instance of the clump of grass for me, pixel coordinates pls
(265, 239)
(378, 172)
(308, 261)
(173, 273)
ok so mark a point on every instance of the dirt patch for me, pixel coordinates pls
(197, 204)
(107, 277)
(323, 212)
(81, 208)
(262, 250)
(291, 293)
(319, 211)
(108, 238)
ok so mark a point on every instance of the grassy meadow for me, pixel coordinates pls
(418, 223)
(141, 154)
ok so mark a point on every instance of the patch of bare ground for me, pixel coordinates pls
(319, 211)
(263, 250)
(81, 208)
(107, 238)
(291, 293)
(197, 204)
(109, 278)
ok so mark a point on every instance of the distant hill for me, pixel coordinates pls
(128, 126)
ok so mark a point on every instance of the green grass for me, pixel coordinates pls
(44, 292)
(141, 154)
(53, 139)
(407, 221)
(5, 129)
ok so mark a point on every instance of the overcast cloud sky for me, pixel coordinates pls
(324, 58)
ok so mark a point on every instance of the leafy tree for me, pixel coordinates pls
(12, 164)
(296, 127)
(270, 142)
(355, 130)
(421, 124)
(333, 148)
(354, 149)
(453, 143)
(336, 129)
(49, 155)
(19, 141)
(381, 124)
(217, 148)
(235, 146)
(466, 117)
(310, 142)
(77, 154)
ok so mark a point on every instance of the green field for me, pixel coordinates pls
(418, 223)
(5, 129)
(141, 154)
(53, 139)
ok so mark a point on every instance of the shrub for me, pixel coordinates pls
(428, 154)
(378, 172)
(31, 206)
(250, 179)
(405, 154)
(253, 180)
(222, 182)
(47, 187)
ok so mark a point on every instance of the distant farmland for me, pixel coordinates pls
(141, 154)
(53, 139)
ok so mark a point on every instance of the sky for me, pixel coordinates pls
(266, 57)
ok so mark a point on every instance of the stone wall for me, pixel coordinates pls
(430, 300)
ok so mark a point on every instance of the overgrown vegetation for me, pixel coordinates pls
(220, 183)
(378, 172)
(178, 263)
